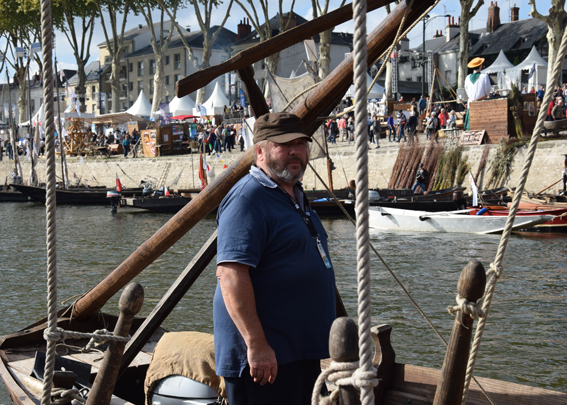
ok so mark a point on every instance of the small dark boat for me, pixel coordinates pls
(76, 196)
(164, 204)
(13, 196)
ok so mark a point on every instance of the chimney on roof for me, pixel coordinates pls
(437, 34)
(140, 26)
(493, 17)
(188, 28)
(515, 13)
(243, 29)
(452, 29)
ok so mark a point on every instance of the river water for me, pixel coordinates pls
(526, 336)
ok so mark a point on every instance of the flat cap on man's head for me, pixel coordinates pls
(279, 128)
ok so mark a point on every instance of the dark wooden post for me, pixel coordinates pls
(130, 304)
(343, 347)
(384, 360)
(450, 388)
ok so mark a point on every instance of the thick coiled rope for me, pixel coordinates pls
(50, 203)
(496, 266)
(365, 342)
(342, 374)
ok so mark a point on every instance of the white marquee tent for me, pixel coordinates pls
(181, 106)
(215, 104)
(141, 107)
(533, 61)
(376, 92)
(500, 67)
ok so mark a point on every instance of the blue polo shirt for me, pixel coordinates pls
(294, 291)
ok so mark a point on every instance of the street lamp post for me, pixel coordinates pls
(426, 20)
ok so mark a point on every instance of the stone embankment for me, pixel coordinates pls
(546, 168)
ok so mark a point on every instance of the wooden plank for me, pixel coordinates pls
(264, 49)
(19, 395)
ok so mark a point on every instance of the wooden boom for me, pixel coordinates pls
(266, 48)
(320, 100)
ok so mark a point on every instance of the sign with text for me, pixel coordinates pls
(472, 137)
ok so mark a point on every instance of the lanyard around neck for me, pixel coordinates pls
(306, 216)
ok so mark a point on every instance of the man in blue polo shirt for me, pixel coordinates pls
(275, 298)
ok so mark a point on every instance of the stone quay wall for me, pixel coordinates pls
(546, 168)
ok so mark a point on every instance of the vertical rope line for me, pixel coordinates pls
(497, 264)
(46, 35)
(362, 232)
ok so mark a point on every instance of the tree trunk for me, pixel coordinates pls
(554, 34)
(464, 47)
(115, 81)
(81, 83)
(325, 53)
(388, 81)
(158, 82)
(23, 94)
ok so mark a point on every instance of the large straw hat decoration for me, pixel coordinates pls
(475, 63)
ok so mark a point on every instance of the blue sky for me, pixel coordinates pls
(303, 8)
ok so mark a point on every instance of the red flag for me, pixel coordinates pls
(167, 193)
(225, 166)
(202, 176)
(118, 184)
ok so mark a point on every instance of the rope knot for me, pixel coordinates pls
(495, 270)
(63, 396)
(474, 310)
(58, 336)
(99, 337)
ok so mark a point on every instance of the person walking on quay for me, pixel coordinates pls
(564, 175)
(540, 92)
(420, 179)
(275, 298)
(9, 150)
(443, 119)
(376, 130)
(333, 131)
(558, 112)
(411, 126)
(126, 145)
(422, 105)
(477, 86)
(402, 120)
(432, 127)
(391, 128)
(342, 128)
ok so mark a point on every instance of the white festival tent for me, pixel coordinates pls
(500, 66)
(141, 107)
(215, 104)
(533, 60)
(181, 106)
(376, 93)
(38, 117)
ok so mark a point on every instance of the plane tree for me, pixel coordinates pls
(204, 10)
(324, 62)
(467, 13)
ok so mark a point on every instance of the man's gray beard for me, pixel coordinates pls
(283, 174)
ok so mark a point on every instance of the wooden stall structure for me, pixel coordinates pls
(137, 125)
(529, 112)
(493, 116)
(163, 140)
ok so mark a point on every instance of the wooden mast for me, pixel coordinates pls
(319, 101)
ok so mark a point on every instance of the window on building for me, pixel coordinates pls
(408, 79)
(93, 90)
(107, 59)
(141, 68)
(126, 51)
(94, 108)
(167, 99)
(419, 79)
(177, 78)
(414, 64)
(151, 100)
(151, 86)
(125, 106)
(131, 86)
(177, 61)
(33, 104)
(167, 59)
(140, 86)
(130, 67)
(167, 80)
(152, 66)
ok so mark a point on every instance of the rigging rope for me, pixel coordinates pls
(50, 203)
(496, 268)
(365, 342)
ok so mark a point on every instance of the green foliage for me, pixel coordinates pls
(501, 166)
(451, 170)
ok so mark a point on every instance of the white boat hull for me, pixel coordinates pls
(393, 219)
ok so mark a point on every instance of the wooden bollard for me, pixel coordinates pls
(130, 304)
(384, 360)
(343, 348)
(450, 388)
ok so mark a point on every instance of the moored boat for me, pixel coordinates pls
(557, 222)
(393, 219)
(76, 196)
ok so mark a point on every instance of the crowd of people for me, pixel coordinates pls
(219, 138)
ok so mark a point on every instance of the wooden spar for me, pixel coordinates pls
(450, 388)
(551, 185)
(318, 102)
(264, 49)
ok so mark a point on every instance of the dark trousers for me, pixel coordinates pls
(293, 386)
